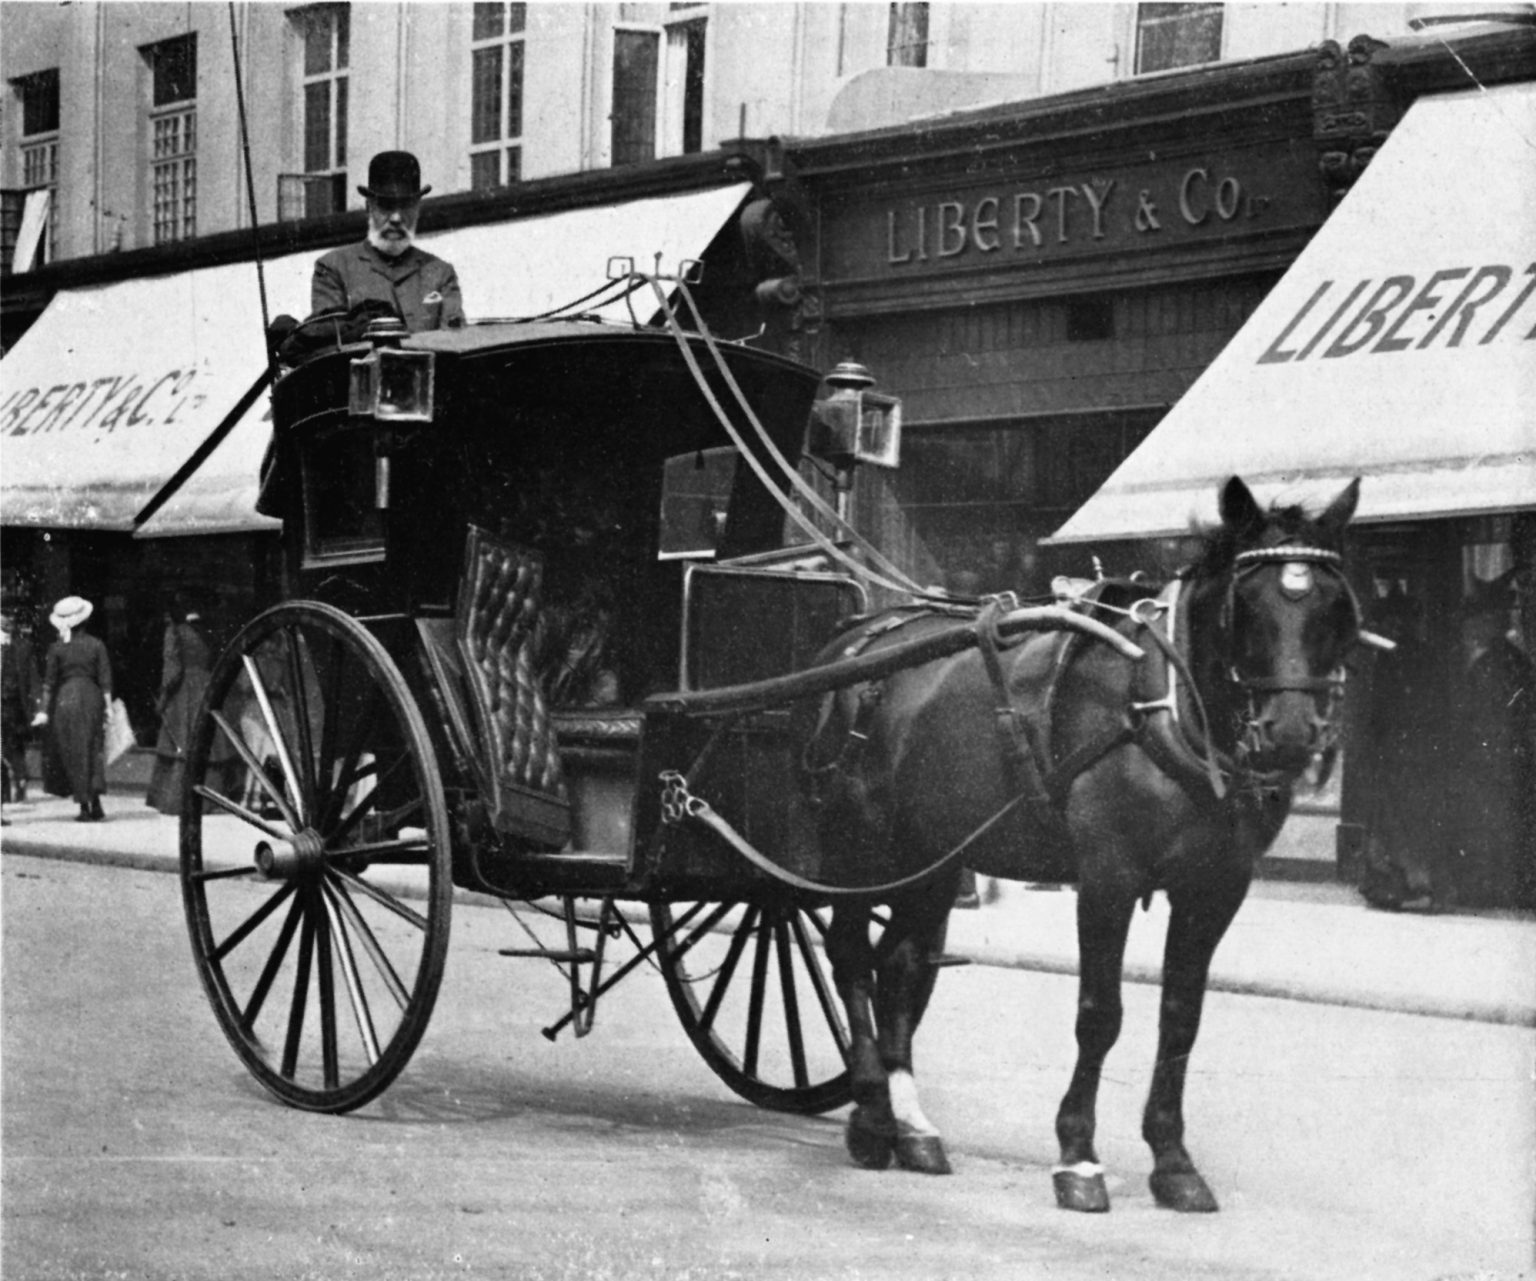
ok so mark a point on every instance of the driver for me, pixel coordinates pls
(387, 267)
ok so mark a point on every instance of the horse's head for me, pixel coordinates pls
(1285, 619)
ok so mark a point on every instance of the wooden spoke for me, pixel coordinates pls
(302, 728)
(327, 974)
(259, 773)
(381, 898)
(252, 1011)
(791, 1004)
(370, 943)
(242, 932)
(300, 994)
(755, 1008)
(826, 998)
(239, 811)
(727, 970)
(386, 852)
(349, 974)
(279, 740)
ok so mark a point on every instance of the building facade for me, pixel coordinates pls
(1038, 224)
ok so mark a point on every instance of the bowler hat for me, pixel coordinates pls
(70, 612)
(394, 175)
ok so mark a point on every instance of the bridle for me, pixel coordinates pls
(1297, 581)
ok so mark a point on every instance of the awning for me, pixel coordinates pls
(114, 388)
(531, 266)
(220, 496)
(1399, 347)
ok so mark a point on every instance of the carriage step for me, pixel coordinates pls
(580, 955)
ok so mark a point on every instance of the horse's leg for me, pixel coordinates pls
(906, 980)
(871, 1130)
(1197, 919)
(1104, 907)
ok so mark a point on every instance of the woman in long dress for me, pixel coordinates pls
(186, 662)
(77, 689)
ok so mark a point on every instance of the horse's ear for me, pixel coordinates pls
(1239, 509)
(1341, 509)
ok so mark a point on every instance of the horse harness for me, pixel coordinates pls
(1165, 714)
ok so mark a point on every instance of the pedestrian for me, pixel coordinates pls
(77, 690)
(186, 661)
(18, 704)
(388, 266)
(1494, 755)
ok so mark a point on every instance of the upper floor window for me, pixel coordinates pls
(1177, 35)
(173, 137)
(658, 86)
(906, 43)
(496, 94)
(38, 95)
(636, 61)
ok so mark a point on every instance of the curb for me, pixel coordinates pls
(1498, 1012)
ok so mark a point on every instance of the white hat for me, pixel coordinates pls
(70, 612)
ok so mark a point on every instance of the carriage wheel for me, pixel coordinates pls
(315, 857)
(754, 992)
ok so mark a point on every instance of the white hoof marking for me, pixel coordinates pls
(1083, 1169)
(910, 1120)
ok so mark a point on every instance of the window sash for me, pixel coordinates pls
(636, 62)
(1170, 35)
(907, 40)
(173, 175)
(496, 94)
(39, 95)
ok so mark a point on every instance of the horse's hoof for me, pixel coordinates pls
(1085, 1193)
(923, 1153)
(869, 1144)
(1183, 1190)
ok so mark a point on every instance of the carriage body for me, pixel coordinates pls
(501, 544)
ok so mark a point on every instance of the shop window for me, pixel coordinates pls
(496, 94)
(1177, 35)
(34, 232)
(173, 138)
(970, 503)
(906, 42)
(324, 40)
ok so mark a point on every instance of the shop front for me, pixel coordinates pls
(1400, 347)
(1040, 284)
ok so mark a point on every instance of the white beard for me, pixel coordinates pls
(390, 248)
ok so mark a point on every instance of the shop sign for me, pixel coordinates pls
(1075, 215)
(111, 403)
(1444, 308)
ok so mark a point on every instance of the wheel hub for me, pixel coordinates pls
(283, 860)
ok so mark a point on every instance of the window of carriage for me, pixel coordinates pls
(1177, 35)
(342, 520)
(38, 97)
(173, 137)
(324, 38)
(496, 94)
(906, 42)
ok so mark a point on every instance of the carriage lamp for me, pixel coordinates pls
(855, 424)
(392, 385)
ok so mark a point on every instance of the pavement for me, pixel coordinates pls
(1292, 940)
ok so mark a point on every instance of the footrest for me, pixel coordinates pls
(581, 955)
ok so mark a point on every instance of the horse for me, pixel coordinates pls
(1172, 773)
